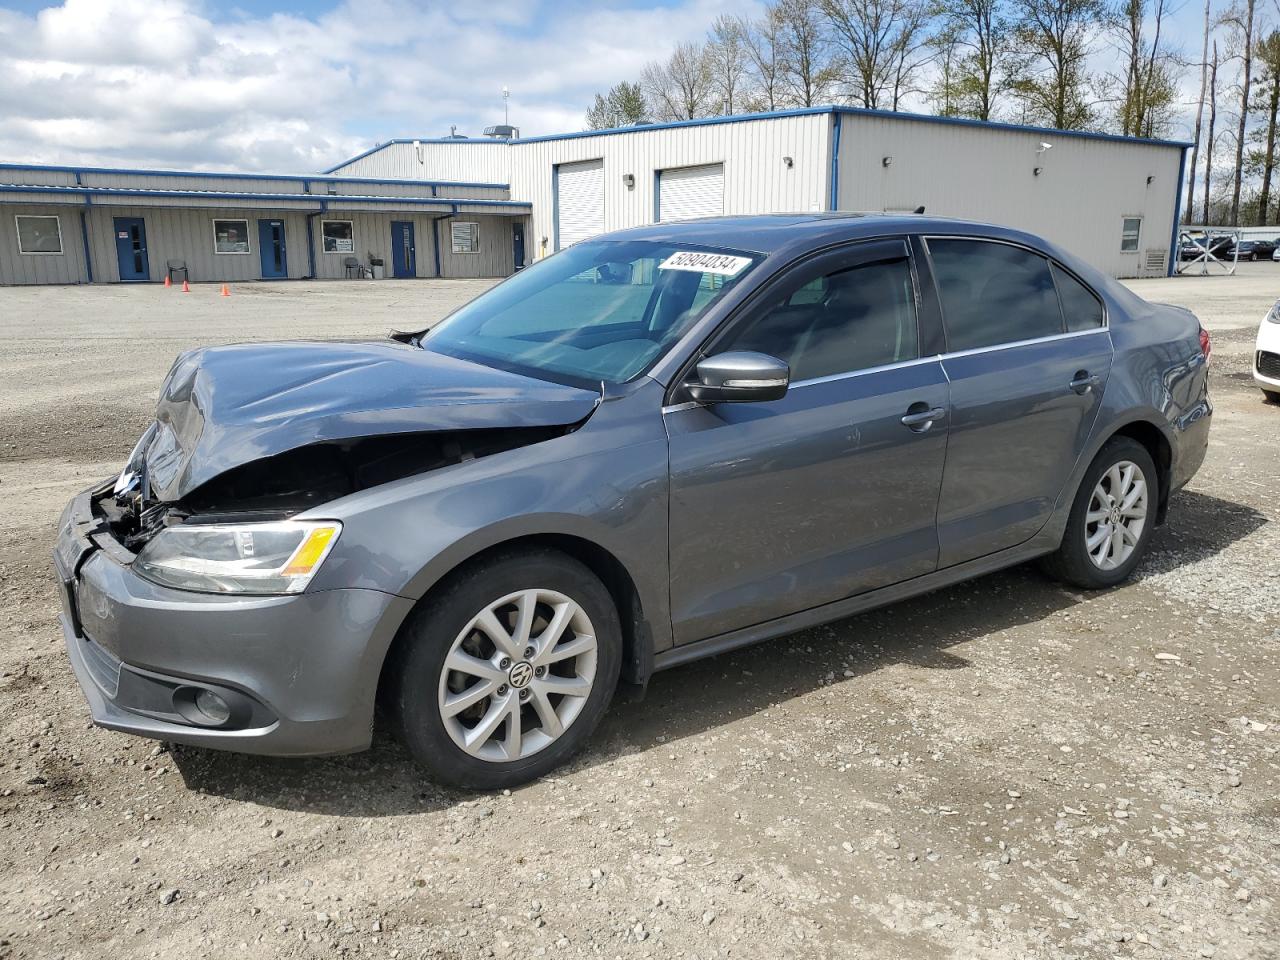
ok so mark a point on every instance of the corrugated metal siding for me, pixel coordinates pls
(19, 268)
(1084, 191)
(477, 161)
(756, 180)
(495, 258)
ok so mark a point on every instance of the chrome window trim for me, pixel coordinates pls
(1012, 344)
(897, 364)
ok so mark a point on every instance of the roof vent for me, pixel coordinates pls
(503, 131)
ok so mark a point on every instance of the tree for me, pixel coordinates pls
(1195, 144)
(1268, 53)
(727, 60)
(622, 106)
(881, 42)
(947, 94)
(1054, 38)
(807, 73)
(1148, 89)
(981, 31)
(1240, 18)
(762, 39)
(679, 88)
(1213, 117)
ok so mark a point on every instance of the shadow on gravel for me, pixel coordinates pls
(689, 700)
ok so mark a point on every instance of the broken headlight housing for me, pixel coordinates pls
(263, 558)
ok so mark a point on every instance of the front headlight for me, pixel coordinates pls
(1273, 315)
(278, 557)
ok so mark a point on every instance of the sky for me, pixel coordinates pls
(300, 85)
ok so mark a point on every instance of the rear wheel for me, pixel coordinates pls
(507, 670)
(1111, 519)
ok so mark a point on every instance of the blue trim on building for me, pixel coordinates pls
(142, 193)
(798, 112)
(435, 243)
(84, 237)
(304, 179)
(555, 207)
(657, 196)
(834, 203)
(1177, 215)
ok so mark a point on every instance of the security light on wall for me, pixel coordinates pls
(1037, 171)
(629, 180)
(886, 161)
(1150, 180)
(1044, 147)
(788, 162)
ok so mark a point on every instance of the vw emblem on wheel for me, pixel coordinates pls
(521, 674)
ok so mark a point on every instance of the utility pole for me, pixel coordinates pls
(1195, 146)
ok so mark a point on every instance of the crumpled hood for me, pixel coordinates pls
(221, 407)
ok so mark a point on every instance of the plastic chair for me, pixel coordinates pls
(176, 267)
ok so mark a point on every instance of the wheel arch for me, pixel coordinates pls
(637, 635)
(1158, 446)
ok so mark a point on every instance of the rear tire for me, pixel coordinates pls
(504, 637)
(1111, 520)
(1270, 396)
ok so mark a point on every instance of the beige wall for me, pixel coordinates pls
(472, 161)
(1085, 188)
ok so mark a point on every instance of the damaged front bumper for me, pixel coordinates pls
(297, 674)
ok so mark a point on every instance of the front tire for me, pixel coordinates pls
(1111, 520)
(1270, 396)
(506, 670)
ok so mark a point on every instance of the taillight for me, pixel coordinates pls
(1205, 347)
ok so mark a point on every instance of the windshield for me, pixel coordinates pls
(600, 310)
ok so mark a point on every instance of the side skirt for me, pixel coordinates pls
(840, 609)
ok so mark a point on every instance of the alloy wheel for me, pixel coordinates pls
(518, 675)
(1116, 516)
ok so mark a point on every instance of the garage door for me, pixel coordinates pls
(690, 192)
(579, 202)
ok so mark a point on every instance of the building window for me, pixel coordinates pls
(466, 237)
(231, 236)
(337, 236)
(1129, 234)
(39, 235)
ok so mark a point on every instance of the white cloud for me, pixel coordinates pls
(178, 83)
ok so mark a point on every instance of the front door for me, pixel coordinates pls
(131, 248)
(275, 266)
(517, 244)
(1028, 360)
(782, 506)
(404, 261)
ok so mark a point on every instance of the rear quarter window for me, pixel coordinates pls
(1080, 308)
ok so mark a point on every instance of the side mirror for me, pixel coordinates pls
(740, 376)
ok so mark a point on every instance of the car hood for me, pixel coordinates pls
(221, 407)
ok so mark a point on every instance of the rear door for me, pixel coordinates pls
(781, 506)
(404, 255)
(1028, 356)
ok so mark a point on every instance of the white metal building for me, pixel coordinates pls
(483, 207)
(1111, 200)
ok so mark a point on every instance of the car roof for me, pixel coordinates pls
(771, 233)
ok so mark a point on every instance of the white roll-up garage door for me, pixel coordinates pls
(579, 202)
(688, 192)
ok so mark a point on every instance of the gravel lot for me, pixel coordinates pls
(1003, 769)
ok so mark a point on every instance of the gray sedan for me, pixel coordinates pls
(651, 447)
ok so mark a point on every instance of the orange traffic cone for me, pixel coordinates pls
(226, 292)
(186, 287)
(167, 282)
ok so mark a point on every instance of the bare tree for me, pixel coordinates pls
(1195, 144)
(679, 88)
(1147, 90)
(1213, 118)
(1054, 38)
(764, 46)
(982, 32)
(883, 43)
(727, 60)
(1240, 18)
(806, 64)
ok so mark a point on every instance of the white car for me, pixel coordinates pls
(1275, 254)
(1266, 355)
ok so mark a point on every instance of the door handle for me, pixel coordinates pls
(922, 420)
(1084, 382)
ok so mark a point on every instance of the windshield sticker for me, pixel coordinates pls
(721, 264)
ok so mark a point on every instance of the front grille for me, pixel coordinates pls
(1269, 364)
(103, 666)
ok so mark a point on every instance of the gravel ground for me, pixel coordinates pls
(1004, 769)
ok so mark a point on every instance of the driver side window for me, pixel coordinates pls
(849, 319)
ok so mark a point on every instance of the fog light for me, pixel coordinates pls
(213, 707)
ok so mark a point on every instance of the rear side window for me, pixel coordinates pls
(1081, 308)
(993, 293)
